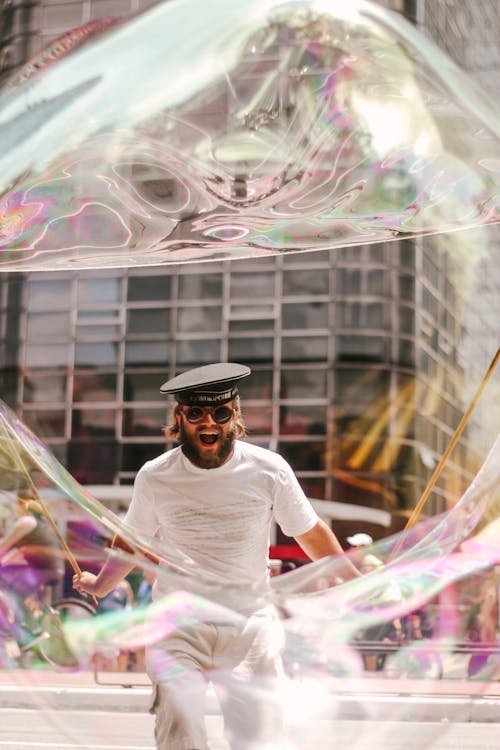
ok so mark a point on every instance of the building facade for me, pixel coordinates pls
(362, 357)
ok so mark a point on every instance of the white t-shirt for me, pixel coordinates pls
(220, 518)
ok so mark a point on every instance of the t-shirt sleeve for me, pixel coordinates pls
(292, 510)
(141, 514)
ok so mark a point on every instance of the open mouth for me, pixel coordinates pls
(208, 438)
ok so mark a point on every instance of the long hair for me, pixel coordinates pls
(172, 430)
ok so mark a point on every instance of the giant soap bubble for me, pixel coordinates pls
(198, 131)
(327, 618)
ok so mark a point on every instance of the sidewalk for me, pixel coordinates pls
(369, 697)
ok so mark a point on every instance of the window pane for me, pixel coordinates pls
(148, 288)
(303, 384)
(52, 355)
(92, 386)
(244, 350)
(48, 325)
(362, 347)
(252, 285)
(304, 456)
(361, 387)
(143, 386)
(301, 348)
(144, 421)
(96, 353)
(305, 315)
(96, 422)
(98, 291)
(302, 420)
(258, 419)
(134, 456)
(202, 286)
(191, 319)
(97, 333)
(93, 460)
(348, 281)
(46, 423)
(54, 294)
(200, 351)
(38, 387)
(148, 321)
(147, 352)
(258, 385)
(306, 282)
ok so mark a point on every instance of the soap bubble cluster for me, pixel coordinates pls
(271, 127)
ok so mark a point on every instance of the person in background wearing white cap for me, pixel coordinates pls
(212, 498)
(385, 632)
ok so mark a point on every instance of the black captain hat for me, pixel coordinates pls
(208, 385)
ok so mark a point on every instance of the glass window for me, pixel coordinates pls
(135, 455)
(144, 421)
(96, 354)
(406, 352)
(302, 420)
(147, 352)
(361, 314)
(46, 423)
(252, 285)
(199, 351)
(254, 349)
(302, 348)
(407, 288)
(200, 286)
(98, 332)
(143, 386)
(46, 355)
(51, 294)
(377, 280)
(148, 288)
(98, 290)
(362, 347)
(348, 281)
(361, 386)
(93, 459)
(94, 386)
(258, 385)
(303, 383)
(44, 387)
(48, 325)
(148, 321)
(258, 419)
(255, 325)
(191, 319)
(94, 421)
(308, 281)
(305, 315)
(306, 456)
(406, 319)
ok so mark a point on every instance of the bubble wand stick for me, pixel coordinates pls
(437, 471)
(39, 506)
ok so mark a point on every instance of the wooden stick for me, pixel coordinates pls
(437, 471)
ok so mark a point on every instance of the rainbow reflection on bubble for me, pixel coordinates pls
(272, 127)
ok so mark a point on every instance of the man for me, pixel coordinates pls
(212, 499)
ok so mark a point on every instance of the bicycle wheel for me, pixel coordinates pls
(55, 650)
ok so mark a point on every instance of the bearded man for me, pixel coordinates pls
(212, 499)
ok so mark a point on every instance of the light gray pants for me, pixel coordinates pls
(242, 660)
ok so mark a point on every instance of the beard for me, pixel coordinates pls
(190, 449)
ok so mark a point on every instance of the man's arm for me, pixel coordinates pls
(111, 574)
(320, 541)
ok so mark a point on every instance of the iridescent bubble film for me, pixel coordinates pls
(267, 127)
(327, 620)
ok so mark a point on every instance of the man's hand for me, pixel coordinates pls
(85, 583)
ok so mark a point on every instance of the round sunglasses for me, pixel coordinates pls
(220, 414)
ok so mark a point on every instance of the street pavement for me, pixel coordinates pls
(366, 698)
